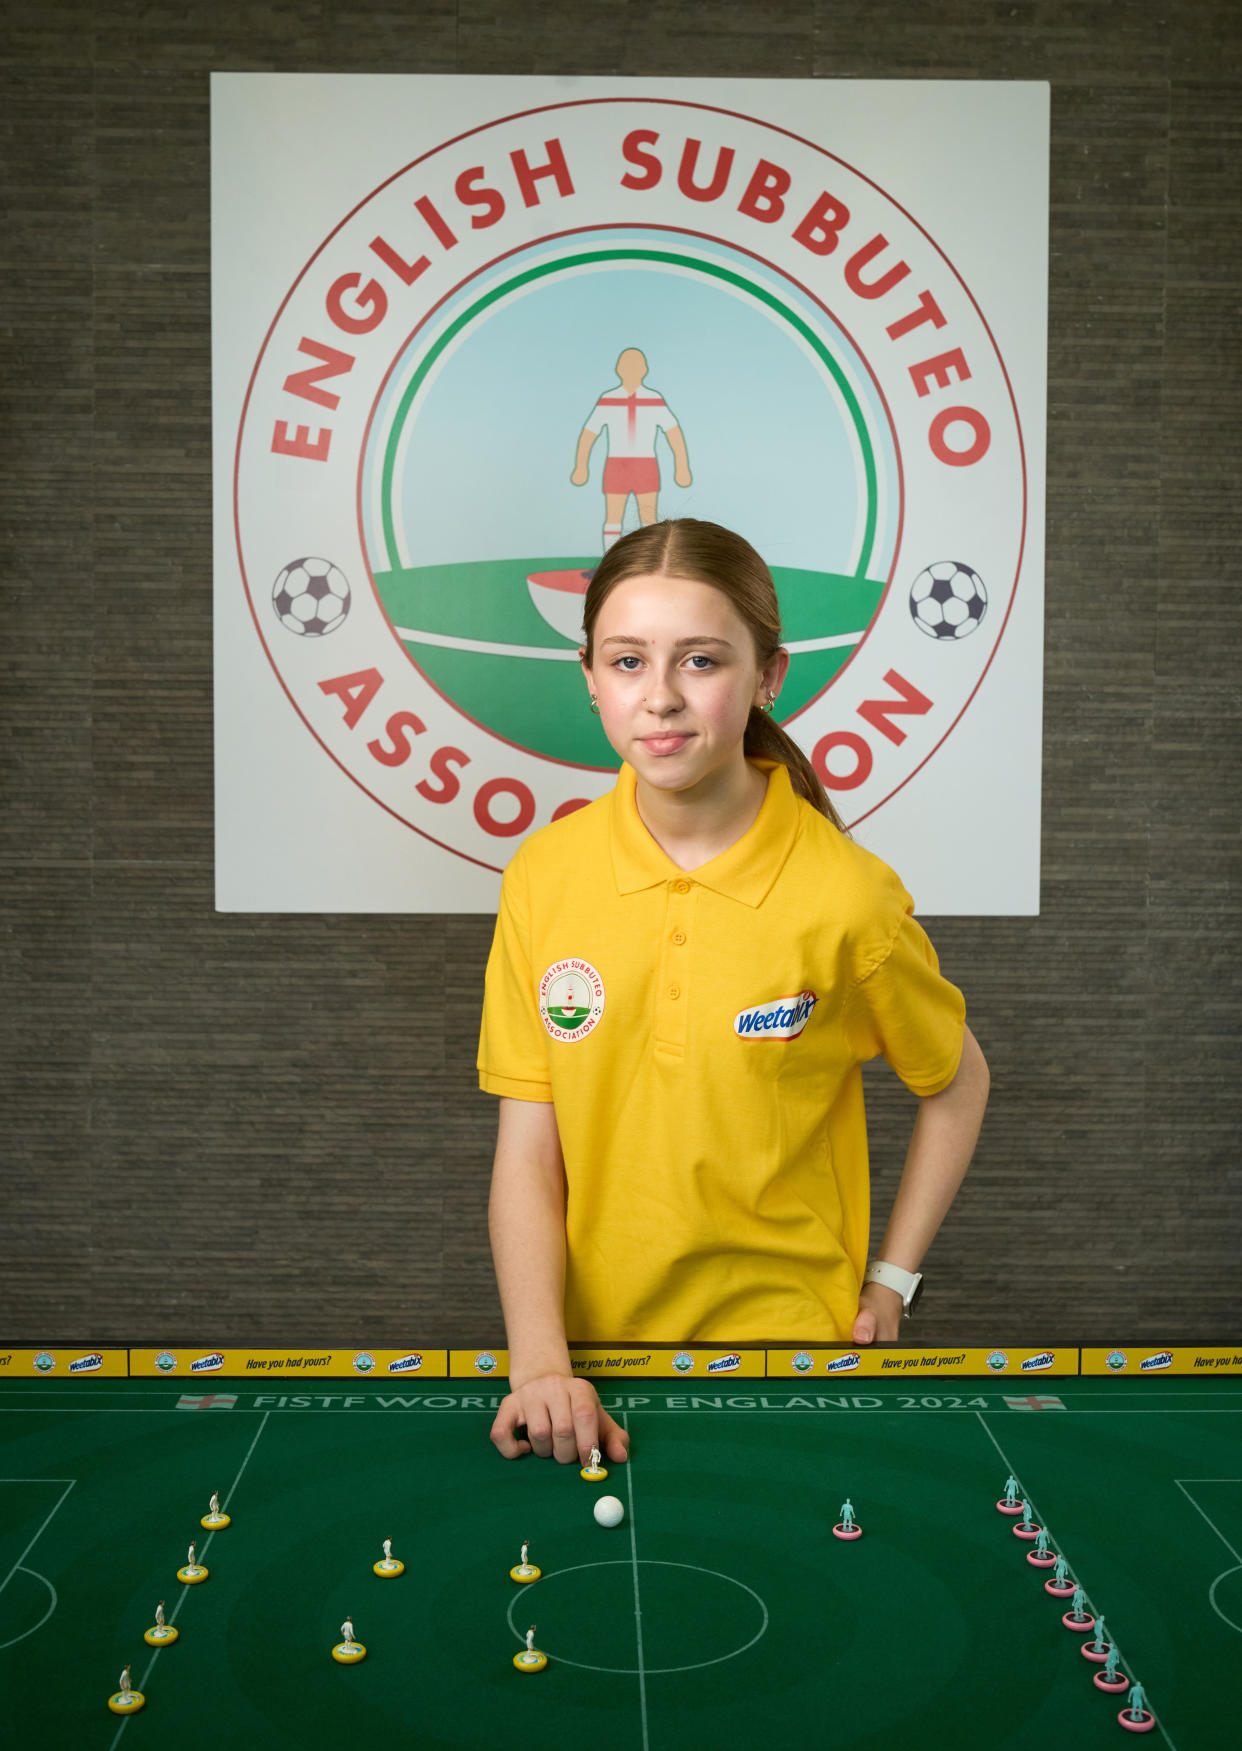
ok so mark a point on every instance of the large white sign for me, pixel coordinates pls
(464, 326)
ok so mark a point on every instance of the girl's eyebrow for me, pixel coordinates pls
(678, 644)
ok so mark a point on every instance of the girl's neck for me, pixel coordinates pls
(693, 826)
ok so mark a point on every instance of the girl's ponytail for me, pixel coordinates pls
(766, 740)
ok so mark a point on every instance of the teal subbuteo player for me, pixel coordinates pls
(1137, 1700)
(1041, 1542)
(1060, 1574)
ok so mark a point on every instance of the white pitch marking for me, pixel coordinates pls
(1181, 1483)
(638, 1610)
(186, 1591)
(68, 1483)
(12, 1643)
(655, 1563)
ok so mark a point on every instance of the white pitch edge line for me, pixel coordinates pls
(1012, 1473)
(638, 1610)
(185, 1591)
(68, 1483)
(1215, 1528)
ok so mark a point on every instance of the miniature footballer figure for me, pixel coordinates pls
(1110, 1666)
(847, 1513)
(388, 1567)
(1041, 1542)
(348, 1651)
(525, 1570)
(189, 1560)
(530, 1659)
(1078, 1602)
(1137, 1700)
(125, 1700)
(1060, 1574)
(1011, 1491)
(161, 1633)
(213, 1506)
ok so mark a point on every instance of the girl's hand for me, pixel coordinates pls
(557, 1417)
(879, 1315)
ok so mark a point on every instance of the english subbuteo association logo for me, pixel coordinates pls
(579, 318)
(571, 999)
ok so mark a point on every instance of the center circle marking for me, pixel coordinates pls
(643, 1562)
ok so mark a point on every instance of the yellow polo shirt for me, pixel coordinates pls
(700, 1034)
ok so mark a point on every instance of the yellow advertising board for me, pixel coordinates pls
(1152, 1359)
(65, 1362)
(627, 1362)
(194, 1362)
(693, 1362)
(1015, 1361)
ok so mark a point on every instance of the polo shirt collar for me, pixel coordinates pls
(745, 872)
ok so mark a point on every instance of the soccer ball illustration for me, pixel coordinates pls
(948, 600)
(311, 597)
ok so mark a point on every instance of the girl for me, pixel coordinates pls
(685, 979)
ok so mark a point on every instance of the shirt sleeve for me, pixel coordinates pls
(905, 1009)
(597, 420)
(513, 1045)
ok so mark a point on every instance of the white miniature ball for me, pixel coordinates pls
(608, 1511)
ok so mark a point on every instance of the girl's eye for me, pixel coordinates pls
(623, 663)
(704, 662)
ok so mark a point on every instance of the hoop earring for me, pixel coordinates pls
(771, 703)
(594, 706)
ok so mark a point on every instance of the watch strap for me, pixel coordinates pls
(906, 1283)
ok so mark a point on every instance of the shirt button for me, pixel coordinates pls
(679, 936)
(674, 990)
(681, 887)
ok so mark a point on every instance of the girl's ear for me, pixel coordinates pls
(774, 672)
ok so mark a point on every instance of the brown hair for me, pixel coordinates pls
(685, 547)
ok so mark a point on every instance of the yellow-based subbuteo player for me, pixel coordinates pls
(686, 978)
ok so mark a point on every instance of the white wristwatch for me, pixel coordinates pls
(908, 1284)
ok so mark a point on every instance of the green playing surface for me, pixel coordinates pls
(722, 1612)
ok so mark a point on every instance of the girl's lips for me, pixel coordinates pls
(663, 744)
